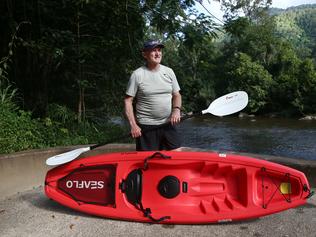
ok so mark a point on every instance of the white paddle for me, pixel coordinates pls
(228, 104)
(222, 106)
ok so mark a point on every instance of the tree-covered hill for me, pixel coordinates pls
(298, 25)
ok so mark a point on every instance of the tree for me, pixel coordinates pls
(164, 15)
(192, 55)
(248, 8)
(256, 39)
(72, 60)
(306, 102)
(298, 27)
(244, 74)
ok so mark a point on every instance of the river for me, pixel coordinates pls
(270, 136)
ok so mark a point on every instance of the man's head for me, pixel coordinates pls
(152, 52)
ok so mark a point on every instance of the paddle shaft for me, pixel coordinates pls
(125, 136)
(222, 106)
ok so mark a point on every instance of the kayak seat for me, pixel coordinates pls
(132, 186)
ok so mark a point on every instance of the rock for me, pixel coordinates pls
(244, 115)
(308, 117)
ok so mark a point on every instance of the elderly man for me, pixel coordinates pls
(158, 101)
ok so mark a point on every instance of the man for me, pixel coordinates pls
(158, 101)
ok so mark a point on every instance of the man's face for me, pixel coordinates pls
(153, 56)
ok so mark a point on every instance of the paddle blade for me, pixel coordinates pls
(228, 104)
(66, 157)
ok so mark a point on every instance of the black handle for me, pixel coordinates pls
(153, 156)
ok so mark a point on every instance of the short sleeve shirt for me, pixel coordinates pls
(153, 92)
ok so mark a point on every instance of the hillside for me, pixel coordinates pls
(298, 25)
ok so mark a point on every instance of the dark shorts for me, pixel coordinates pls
(157, 138)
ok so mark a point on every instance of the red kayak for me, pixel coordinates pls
(176, 187)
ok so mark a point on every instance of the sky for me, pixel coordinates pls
(290, 3)
(214, 6)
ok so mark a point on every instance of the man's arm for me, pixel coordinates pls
(176, 108)
(129, 112)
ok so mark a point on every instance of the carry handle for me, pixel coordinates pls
(310, 192)
(153, 156)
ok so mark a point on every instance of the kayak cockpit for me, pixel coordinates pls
(198, 187)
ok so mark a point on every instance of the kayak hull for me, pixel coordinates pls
(176, 187)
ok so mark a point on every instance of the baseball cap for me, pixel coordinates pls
(151, 44)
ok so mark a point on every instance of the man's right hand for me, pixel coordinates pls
(136, 131)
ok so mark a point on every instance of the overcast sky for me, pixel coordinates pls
(290, 3)
(214, 6)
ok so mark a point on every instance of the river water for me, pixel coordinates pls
(270, 136)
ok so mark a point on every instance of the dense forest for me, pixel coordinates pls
(65, 63)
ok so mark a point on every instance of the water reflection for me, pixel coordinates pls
(279, 137)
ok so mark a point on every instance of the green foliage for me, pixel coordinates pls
(7, 95)
(253, 38)
(244, 74)
(71, 72)
(162, 14)
(19, 131)
(306, 101)
(191, 60)
(285, 90)
(250, 8)
(61, 113)
(268, 65)
(298, 26)
(59, 53)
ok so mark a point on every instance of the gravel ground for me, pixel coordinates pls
(31, 213)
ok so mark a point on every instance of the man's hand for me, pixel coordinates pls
(136, 131)
(175, 116)
(176, 108)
